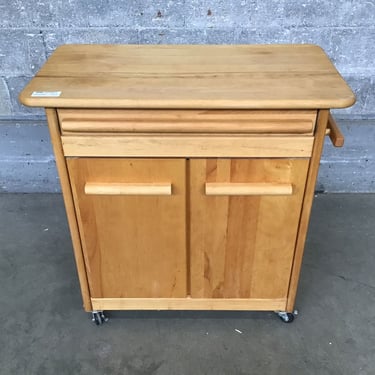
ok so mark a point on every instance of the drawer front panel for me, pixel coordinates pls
(187, 121)
(132, 220)
(244, 221)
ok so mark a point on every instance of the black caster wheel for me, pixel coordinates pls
(286, 317)
(98, 317)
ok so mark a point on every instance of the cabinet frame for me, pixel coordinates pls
(286, 304)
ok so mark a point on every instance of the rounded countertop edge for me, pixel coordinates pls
(185, 104)
(23, 99)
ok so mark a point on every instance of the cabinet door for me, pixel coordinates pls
(132, 218)
(244, 221)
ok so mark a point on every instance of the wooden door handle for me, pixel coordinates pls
(111, 188)
(240, 188)
(334, 132)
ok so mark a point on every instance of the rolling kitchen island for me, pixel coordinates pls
(188, 172)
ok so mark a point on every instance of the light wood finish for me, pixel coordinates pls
(306, 207)
(242, 188)
(188, 172)
(69, 206)
(135, 246)
(186, 76)
(260, 304)
(187, 121)
(242, 247)
(112, 188)
(188, 145)
(334, 132)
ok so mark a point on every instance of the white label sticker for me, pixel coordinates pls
(38, 94)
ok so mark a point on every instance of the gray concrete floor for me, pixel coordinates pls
(44, 330)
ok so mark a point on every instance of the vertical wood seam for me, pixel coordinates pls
(187, 226)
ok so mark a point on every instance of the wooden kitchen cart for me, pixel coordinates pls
(188, 172)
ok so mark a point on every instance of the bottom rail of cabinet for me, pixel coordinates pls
(256, 304)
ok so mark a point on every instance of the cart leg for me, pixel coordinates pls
(287, 317)
(98, 317)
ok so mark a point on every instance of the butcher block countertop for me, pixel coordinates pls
(188, 77)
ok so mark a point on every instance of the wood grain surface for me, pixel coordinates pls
(187, 121)
(135, 246)
(186, 145)
(187, 76)
(53, 125)
(243, 246)
(188, 304)
(308, 198)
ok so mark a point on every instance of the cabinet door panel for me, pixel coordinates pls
(244, 221)
(132, 219)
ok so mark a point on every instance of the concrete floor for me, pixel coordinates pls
(43, 329)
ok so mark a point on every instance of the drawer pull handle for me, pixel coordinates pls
(239, 188)
(295, 126)
(97, 188)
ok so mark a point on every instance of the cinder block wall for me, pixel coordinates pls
(31, 30)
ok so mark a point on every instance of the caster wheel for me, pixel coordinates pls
(288, 318)
(285, 316)
(98, 317)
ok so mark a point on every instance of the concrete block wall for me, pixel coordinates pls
(31, 29)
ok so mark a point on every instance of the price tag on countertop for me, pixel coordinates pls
(43, 94)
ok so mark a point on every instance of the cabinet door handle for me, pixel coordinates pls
(111, 188)
(239, 188)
